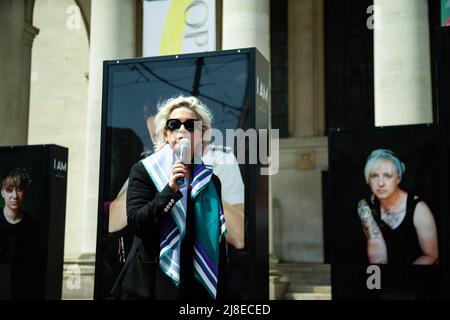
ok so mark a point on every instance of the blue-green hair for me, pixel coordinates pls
(379, 155)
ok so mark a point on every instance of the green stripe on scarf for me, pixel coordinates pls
(207, 232)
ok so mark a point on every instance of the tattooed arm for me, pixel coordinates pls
(376, 246)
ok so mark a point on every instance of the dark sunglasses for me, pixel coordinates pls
(175, 124)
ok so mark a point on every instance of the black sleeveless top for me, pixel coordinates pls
(402, 243)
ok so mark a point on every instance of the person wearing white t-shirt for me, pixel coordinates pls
(226, 168)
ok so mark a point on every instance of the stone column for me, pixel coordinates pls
(16, 38)
(403, 93)
(302, 155)
(306, 68)
(112, 36)
(246, 24)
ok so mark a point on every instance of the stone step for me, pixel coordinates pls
(304, 267)
(306, 274)
(307, 296)
(307, 281)
(319, 280)
(309, 288)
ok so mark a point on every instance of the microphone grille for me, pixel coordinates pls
(185, 142)
(183, 153)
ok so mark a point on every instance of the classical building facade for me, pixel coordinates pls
(329, 68)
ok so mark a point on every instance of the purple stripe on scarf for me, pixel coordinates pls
(206, 258)
(200, 262)
(168, 240)
(202, 177)
(166, 228)
(198, 169)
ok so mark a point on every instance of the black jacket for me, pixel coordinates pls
(141, 276)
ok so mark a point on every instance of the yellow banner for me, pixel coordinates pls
(173, 30)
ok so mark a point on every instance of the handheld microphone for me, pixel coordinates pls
(184, 153)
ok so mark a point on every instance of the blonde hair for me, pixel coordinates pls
(377, 157)
(165, 109)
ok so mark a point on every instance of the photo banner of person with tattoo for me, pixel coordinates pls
(387, 202)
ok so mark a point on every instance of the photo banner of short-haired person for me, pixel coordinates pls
(32, 221)
(149, 104)
(388, 198)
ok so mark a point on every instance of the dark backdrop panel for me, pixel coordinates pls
(45, 201)
(226, 82)
(443, 101)
(349, 81)
(419, 148)
(279, 65)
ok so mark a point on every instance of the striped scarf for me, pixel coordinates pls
(210, 226)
